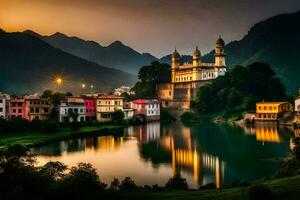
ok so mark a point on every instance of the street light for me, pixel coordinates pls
(58, 81)
(83, 85)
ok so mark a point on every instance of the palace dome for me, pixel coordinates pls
(175, 54)
(220, 41)
(197, 53)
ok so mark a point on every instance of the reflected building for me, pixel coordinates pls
(186, 156)
(267, 132)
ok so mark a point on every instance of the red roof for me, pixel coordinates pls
(140, 101)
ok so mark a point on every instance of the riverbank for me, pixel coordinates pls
(31, 139)
(280, 188)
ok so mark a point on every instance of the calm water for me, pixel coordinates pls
(202, 154)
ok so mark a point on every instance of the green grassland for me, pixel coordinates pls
(284, 188)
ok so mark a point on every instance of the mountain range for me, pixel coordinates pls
(275, 41)
(116, 55)
(29, 64)
(25, 58)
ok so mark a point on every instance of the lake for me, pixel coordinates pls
(153, 153)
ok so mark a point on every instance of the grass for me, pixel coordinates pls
(39, 138)
(284, 188)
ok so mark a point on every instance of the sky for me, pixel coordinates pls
(154, 26)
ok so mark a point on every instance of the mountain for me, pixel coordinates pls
(116, 55)
(275, 41)
(29, 64)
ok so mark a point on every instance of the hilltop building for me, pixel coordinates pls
(123, 89)
(188, 77)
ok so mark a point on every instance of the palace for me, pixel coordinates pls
(188, 77)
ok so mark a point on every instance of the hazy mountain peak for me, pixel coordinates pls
(116, 43)
(59, 34)
(30, 32)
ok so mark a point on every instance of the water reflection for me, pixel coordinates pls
(204, 153)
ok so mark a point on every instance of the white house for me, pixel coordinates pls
(2, 106)
(297, 104)
(71, 104)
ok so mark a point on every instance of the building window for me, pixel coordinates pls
(1, 101)
(20, 111)
(1, 109)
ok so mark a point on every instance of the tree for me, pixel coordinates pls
(47, 94)
(127, 184)
(73, 115)
(117, 117)
(240, 89)
(83, 179)
(115, 184)
(177, 183)
(149, 76)
(53, 171)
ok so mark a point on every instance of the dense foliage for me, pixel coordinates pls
(148, 77)
(240, 89)
(20, 179)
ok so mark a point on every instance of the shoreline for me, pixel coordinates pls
(34, 139)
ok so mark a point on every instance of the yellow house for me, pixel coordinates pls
(107, 104)
(270, 111)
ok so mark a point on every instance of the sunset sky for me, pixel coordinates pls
(154, 26)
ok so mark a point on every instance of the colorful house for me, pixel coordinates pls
(69, 106)
(89, 108)
(17, 108)
(150, 109)
(297, 103)
(272, 111)
(37, 108)
(106, 105)
(3, 99)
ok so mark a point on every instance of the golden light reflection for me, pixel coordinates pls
(267, 134)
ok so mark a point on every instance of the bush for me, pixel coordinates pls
(240, 183)
(81, 180)
(115, 184)
(117, 117)
(259, 192)
(208, 186)
(36, 125)
(51, 125)
(127, 184)
(188, 117)
(74, 125)
(177, 183)
(165, 115)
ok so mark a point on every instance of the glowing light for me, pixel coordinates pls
(92, 86)
(58, 81)
(83, 85)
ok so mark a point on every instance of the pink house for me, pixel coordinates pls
(150, 109)
(90, 108)
(17, 108)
